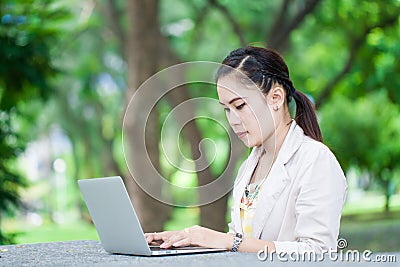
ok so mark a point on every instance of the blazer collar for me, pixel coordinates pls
(274, 184)
(292, 142)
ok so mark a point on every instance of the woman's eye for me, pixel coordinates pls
(226, 109)
(240, 106)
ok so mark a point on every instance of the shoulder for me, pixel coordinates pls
(300, 147)
(317, 170)
(311, 151)
(314, 159)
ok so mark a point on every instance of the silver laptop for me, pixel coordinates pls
(116, 222)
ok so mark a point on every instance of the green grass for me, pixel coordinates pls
(182, 218)
(54, 232)
(80, 230)
(376, 231)
(367, 202)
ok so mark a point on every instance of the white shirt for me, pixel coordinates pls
(301, 201)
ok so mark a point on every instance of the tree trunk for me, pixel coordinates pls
(387, 196)
(155, 52)
(1, 233)
(212, 215)
(387, 203)
(142, 57)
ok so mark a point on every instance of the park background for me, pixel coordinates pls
(68, 68)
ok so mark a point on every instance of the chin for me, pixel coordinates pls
(250, 143)
(247, 145)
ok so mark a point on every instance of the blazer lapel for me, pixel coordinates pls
(277, 179)
(269, 194)
(241, 184)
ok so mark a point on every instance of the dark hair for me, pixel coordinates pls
(265, 67)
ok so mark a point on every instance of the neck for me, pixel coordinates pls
(271, 146)
(274, 143)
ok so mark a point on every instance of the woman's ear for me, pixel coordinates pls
(276, 97)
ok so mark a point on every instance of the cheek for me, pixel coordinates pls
(249, 120)
(263, 124)
(256, 118)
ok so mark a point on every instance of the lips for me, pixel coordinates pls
(241, 134)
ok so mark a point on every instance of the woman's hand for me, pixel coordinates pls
(192, 236)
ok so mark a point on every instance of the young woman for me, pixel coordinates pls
(289, 193)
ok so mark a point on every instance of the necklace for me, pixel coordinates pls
(251, 190)
(250, 194)
(261, 170)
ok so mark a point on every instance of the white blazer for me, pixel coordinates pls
(300, 203)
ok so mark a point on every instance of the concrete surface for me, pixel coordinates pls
(91, 253)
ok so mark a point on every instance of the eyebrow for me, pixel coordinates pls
(233, 100)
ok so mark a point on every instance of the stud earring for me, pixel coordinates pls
(276, 107)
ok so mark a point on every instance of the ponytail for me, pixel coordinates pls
(306, 117)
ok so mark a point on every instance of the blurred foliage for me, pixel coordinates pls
(89, 96)
(25, 43)
(345, 49)
(365, 133)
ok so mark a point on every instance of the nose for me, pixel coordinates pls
(233, 118)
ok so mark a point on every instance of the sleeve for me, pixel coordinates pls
(318, 208)
(231, 225)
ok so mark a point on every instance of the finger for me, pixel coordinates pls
(164, 238)
(168, 241)
(151, 233)
(158, 237)
(155, 243)
(175, 238)
(151, 237)
(182, 243)
(166, 244)
(178, 237)
(149, 241)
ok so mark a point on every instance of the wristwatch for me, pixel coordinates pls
(237, 239)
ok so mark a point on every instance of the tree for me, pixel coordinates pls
(365, 136)
(88, 95)
(24, 73)
(143, 56)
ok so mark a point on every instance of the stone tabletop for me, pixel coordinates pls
(91, 253)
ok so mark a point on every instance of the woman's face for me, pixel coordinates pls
(246, 108)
